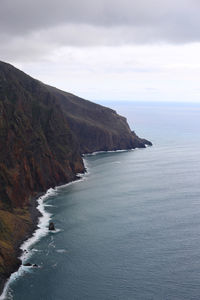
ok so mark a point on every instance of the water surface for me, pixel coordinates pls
(131, 228)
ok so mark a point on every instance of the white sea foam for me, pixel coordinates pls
(7, 295)
(42, 229)
(104, 152)
(86, 165)
(81, 177)
(40, 232)
(61, 250)
(55, 231)
(60, 187)
(36, 250)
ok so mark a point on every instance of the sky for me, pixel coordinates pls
(133, 50)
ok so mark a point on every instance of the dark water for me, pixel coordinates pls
(131, 229)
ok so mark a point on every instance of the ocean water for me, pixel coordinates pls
(130, 229)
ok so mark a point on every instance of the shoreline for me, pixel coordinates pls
(39, 227)
(35, 215)
(115, 151)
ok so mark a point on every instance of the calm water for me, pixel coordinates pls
(131, 228)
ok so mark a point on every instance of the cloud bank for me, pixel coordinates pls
(148, 48)
(101, 22)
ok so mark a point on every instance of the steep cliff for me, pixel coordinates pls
(37, 151)
(43, 132)
(96, 127)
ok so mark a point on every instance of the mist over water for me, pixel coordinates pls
(131, 228)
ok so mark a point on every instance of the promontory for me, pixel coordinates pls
(43, 134)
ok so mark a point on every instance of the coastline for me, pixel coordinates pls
(114, 151)
(39, 228)
(40, 220)
(35, 215)
(37, 212)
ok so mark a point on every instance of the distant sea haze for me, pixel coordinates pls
(130, 229)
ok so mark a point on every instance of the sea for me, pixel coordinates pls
(130, 227)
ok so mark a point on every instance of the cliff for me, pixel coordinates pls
(96, 127)
(43, 132)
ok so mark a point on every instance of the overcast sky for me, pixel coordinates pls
(141, 50)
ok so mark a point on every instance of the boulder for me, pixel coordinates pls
(51, 226)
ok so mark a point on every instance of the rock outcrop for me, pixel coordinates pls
(51, 226)
(43, 132)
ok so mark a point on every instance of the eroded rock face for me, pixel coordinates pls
(43, 132)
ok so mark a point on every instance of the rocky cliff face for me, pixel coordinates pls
(37, 151)
(96, 127)
(43, 132)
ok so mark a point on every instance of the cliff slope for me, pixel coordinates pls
(96, 127)
(43, 132)
(37, 151)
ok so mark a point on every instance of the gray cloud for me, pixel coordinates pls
(37, 28)
(169, 18)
